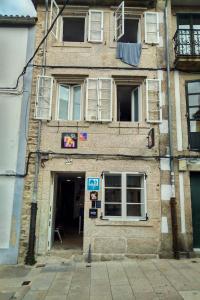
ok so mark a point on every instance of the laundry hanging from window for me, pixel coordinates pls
(129, 53)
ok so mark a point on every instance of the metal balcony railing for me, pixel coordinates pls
(187, 42)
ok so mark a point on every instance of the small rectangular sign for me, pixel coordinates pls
(69, 140)
(94, 196)
(93, 213)
(83, 136)
(93, 184)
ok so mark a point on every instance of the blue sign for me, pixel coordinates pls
(93, 184)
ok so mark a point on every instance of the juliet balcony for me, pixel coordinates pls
(187, 49)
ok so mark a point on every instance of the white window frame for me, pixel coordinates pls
(54, 5)
(98, 100)
(73, 16)
(124, 216)
(159, 101)
(89, 25)
(71, 103)
(121, 6)
(37, 97)
(157, 27)
(140, 103)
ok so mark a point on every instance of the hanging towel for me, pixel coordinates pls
(129, 53)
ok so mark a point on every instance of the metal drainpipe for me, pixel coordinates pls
(30, 256)
(170, 126)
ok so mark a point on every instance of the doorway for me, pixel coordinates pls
(68, 211)
(195, 192)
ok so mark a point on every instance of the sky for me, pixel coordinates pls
(17, 7)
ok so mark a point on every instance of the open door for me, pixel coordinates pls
(51, 224)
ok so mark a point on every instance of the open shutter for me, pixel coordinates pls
(44, 98)
(105, 99)
(154, 105)
(95, 28)
(53, 14)
(151, 27)
(92, 99)
(119, 21)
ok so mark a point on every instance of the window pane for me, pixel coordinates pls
(112, 195)
(64, 103)
(76, 103)
(133, 196)
(134, 210)
(194, 113)
(194, 87)
(113, 210)
(195, 126)
(194, 100)
(73, 29)
(113, 180)
(133, 181)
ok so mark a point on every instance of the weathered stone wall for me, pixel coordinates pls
(106, 237)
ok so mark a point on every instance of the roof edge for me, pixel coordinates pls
(19, 21)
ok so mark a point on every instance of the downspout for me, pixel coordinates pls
(170, 129)
(30, 256)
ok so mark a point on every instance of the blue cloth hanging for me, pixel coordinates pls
(129, 53)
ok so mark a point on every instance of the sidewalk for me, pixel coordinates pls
(124, 280)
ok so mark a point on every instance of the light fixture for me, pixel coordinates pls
(68, 180)
(79, 177)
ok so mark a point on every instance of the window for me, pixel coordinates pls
(73, 29)
(188, 34)
(69, 102)
(193, 103)
(124, 195)
(99, 99)
(128, 103)
(131, 27)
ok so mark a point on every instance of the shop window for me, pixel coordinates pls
(69, 102)
(124, 196)
(128, 103)
(73, 29)
(193, 104)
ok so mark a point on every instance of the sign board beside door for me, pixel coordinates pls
(93, 184)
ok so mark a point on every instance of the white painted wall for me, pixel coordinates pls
(13, 49)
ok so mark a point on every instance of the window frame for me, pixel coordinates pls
(140, 102)
(188, 113)
(148, 120)
(71, 103)
(124, 216)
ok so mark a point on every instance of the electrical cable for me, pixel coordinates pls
(96, 156)
(36, 51)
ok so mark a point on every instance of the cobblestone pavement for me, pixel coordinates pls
(120, 280)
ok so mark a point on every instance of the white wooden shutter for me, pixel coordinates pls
(105, 99)
(119, 21)
(92, 99)
(44, 97)
(154, 103)
(95, 28)
(53, 14)
(151, 27)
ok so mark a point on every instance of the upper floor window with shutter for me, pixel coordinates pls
(73, 29)
(154, 101)
(99, 99)
(43, 97)
(69, 102)
(151, 27)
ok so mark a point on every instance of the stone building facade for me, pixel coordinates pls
(97, 120)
